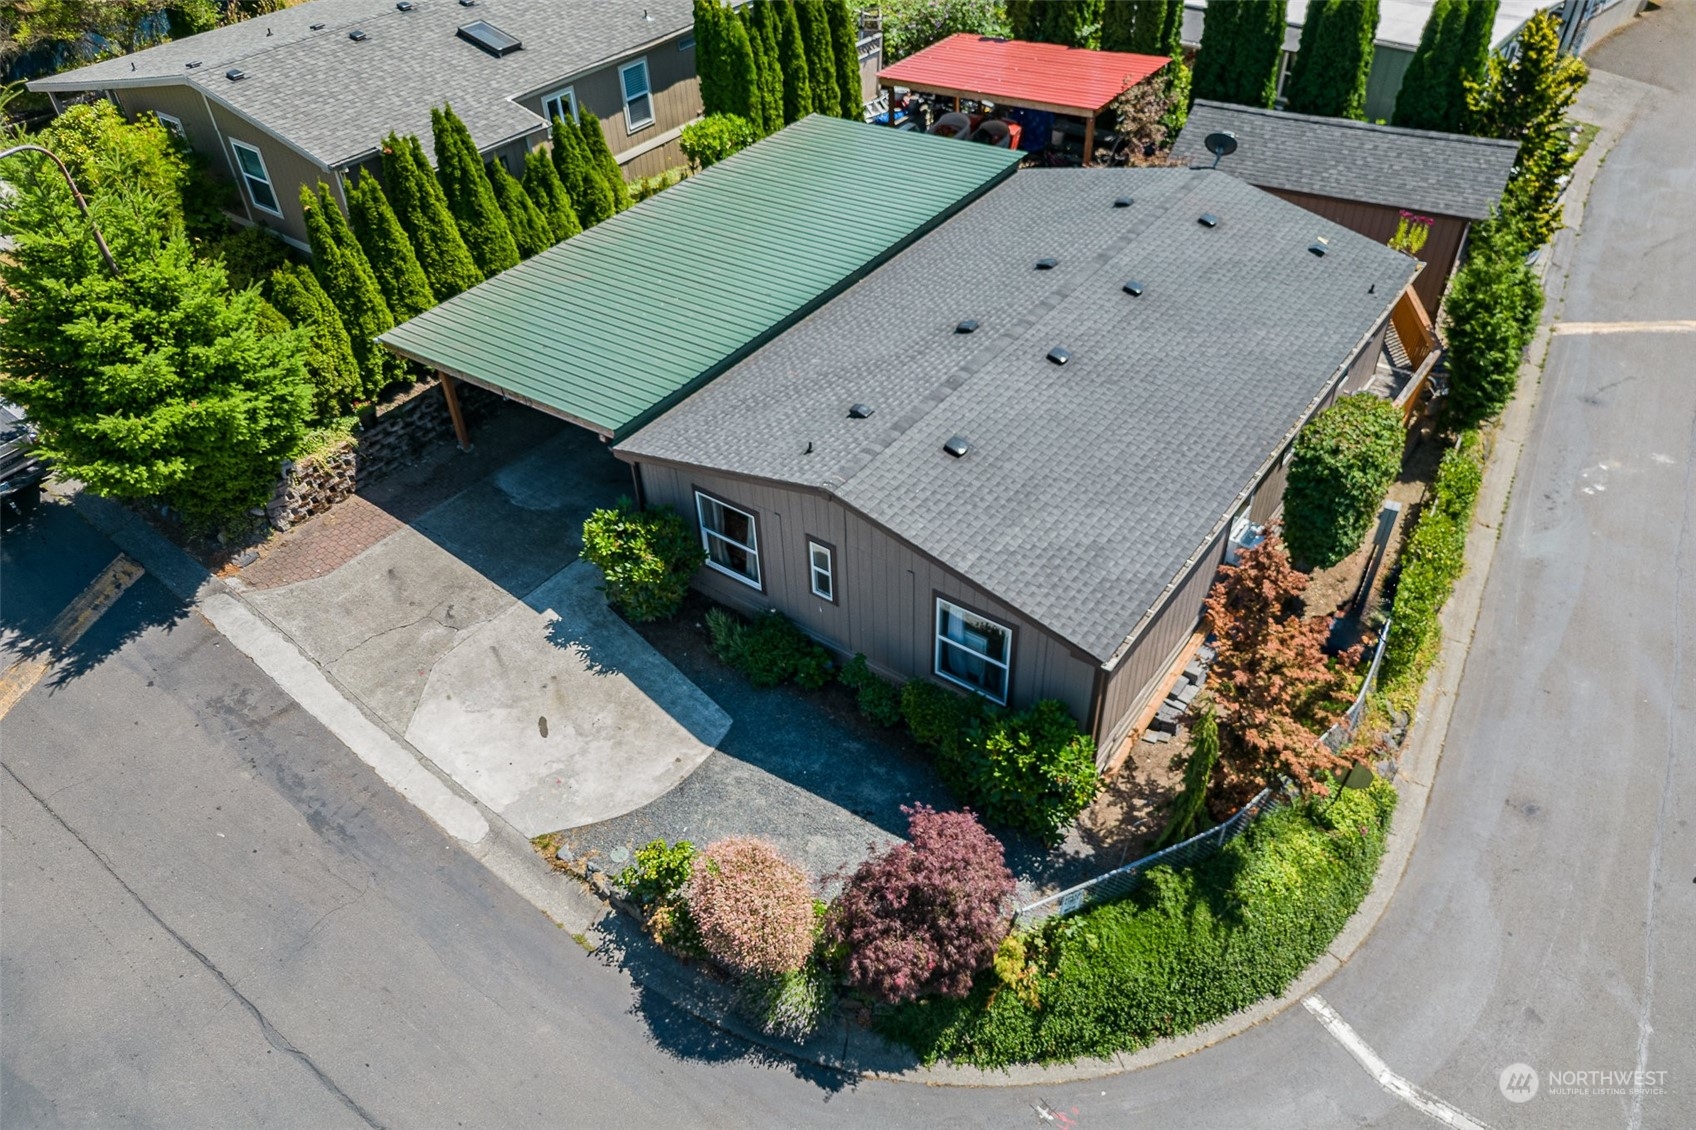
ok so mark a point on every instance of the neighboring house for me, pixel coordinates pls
(1400, 23)
(309, 92)
(1362, 176)
(911, 470)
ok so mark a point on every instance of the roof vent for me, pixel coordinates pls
(490, 38)
(357, 36)
(969, 326)
(1133, 288)
(1047, 264)
(859, 411)
(235, 74)
(1123, 202)
(1208, 220)
(1319, 247)
(957, 446)
(467, 3)
(1059, 355)
(404, 6)
(192, 65)
(316, 27)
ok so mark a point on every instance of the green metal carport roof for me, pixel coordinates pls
(611, 327)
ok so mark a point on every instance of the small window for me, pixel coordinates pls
(252, 166)
(172, 124)
(638, 99)
(560, 104)
(687, 43)
(731, 538)
(821, 564)
(973, 651)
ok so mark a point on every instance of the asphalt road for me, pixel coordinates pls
(212, 915)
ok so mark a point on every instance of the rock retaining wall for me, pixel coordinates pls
(405, 428)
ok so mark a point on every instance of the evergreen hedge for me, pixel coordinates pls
(423, 212)
(821, 56)
(1328, 76)
(1489, 317)
(541, 181)
(591, 198)
(1431, 561)
(844, 40)
(295, 291)
(387, 249)
(798, 100)
(346, 277)
(531, 232)
(1074, 23)
(758, 19)
(459, 169)
(601, 159)
(1146, 27)
(1453, 48)
(1342, 463)
(1186, 948)
(1242, 45)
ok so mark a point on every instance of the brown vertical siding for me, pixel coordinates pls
(885, 589)
(287, 167)
(1378, 222)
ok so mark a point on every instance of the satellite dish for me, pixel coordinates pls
(1221, 144)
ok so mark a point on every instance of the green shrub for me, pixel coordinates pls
(879, 699)
(658, 871)
(715, 137)
(1341, 464)
(1032, 770)
(1490, 315)
(791, 1005)
(1431, 560)
(769, 650)
(938, 717)
(250, 255)
(1183, 950)
(646, 557)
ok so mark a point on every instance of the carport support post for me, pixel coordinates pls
(452, 397)
(1089, 139)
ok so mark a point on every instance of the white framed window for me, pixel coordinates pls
(560, 104)
(731, 538)
(638, 98)
(252, 166)
(972, 650)
(172, 123)
(821, 569)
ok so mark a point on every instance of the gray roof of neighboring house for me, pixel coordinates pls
(335, 99)
(1088, 486)
(1441, 173)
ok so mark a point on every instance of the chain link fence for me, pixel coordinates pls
(1119, 882)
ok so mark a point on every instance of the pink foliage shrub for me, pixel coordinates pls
(754, 909)
(925, 916)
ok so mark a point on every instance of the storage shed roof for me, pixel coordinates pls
(1043, 76)
(610, 327)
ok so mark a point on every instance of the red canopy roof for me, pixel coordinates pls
(1042, 76)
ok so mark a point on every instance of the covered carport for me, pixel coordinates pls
(612, 327)
(1069, 81)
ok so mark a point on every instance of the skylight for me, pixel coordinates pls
(490, 38)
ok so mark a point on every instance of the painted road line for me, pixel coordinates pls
(1424, 1102)
(1685, 326)
(302, 681)
(67, 627)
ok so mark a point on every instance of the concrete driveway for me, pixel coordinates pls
(477, 634)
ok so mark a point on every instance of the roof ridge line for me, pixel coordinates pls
(1352, 123)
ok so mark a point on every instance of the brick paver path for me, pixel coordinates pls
(327, 542)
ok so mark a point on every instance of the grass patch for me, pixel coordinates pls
(1186, 948)
(1586, 134)
(324, 438)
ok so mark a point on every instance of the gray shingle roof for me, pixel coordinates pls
(336, 99)
(1436, 173)
(1088, 485)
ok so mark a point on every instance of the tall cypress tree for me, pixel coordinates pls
(459, 169)
(1328, 76)
(602, 160)
(707, 54)
(821, 57)
(530, 230)
(541, 181)
(792, 57)
(739, 76)
(423, 211)
(346, 277)
(1073, 23)
(295, 291)
(757, 23)
(1140, 26)
(846, 47)
(393, 262)
(591, 196)
(1453, 50)
(1241, 65)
